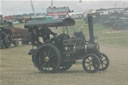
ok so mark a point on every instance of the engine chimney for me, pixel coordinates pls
(91, 29)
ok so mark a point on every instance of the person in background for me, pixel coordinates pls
(80, 34)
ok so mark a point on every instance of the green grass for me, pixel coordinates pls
(107, 35)
(20, 25)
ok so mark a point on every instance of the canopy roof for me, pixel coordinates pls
(50, 23)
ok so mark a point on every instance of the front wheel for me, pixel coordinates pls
(91, 63)
(104, 62)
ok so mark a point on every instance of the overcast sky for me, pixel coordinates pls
(10, 7)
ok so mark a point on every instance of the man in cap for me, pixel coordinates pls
(45, 33)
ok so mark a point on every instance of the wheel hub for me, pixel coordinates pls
(46, 58)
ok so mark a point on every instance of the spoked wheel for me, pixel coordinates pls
(65, 66)
(7, 41)
(91, 63)
(47, 58)
(1, 45)
(104, 62)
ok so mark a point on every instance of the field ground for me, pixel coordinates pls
(17, 69)
(16, 66)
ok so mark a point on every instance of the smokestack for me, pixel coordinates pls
(91, 29)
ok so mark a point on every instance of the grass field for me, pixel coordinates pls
(16, 66)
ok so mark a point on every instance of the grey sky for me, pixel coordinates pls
(10, 7)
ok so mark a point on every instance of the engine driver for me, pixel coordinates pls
(45, 33)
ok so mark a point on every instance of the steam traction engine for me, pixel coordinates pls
(62, 51)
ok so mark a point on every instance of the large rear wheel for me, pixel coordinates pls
(47, 58)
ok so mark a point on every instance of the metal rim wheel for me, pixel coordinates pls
(1, 44)
(65, 66)
(47, 58)
(104, 62)
(7, 41)
(91, 63)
